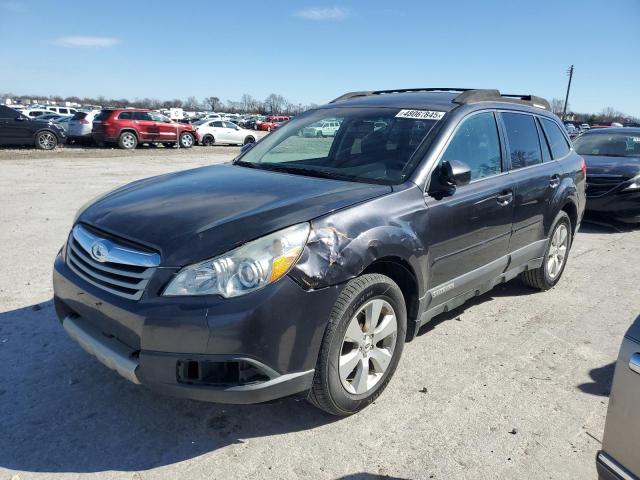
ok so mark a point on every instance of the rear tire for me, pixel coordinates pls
(128, 141)
(555, 256)
(208, 141)
(376, 304)
(186, 140)
(46, 140)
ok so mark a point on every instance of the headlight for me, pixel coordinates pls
(245, 269)
(635, 185)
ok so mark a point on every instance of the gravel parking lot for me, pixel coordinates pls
(512, 385)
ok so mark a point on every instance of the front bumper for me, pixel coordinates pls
(177, 345)
(624, 206)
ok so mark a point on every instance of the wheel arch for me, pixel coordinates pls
(130, 130)
(402, 274)
(570, 208)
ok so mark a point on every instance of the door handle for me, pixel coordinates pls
(554, 180)
(634, 362)
(505, 198)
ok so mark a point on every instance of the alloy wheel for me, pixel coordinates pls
(557, 251)
(187, 140)
(47, 141)
(368, 346)
(128, 140)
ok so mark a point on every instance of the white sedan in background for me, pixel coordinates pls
(219, 132)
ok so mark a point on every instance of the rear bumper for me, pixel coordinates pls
(610, 469)
(275, 334)
(102, 137)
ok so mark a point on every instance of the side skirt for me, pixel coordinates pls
(480, 281)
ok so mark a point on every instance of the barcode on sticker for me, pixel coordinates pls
(420, 114)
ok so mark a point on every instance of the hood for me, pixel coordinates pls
(627, 167)
(196, 214)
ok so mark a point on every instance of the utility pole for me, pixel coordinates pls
(566, 99)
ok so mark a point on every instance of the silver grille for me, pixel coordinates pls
(600, 184)
(109, 265)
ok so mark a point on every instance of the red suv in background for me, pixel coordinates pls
(128, 127)
(272, 121)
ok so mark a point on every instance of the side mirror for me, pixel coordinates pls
(455, 173)
(247, 146)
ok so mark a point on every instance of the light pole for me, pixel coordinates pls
(566, 98)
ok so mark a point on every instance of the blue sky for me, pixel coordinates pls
(315, 51)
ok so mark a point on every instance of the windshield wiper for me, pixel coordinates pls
(311, 172)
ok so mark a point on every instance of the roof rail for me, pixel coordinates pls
(467, 95)
(350, 95)
(473, 96)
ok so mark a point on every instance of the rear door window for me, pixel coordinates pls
(557, 141)
(522, 135)
(103, 115)
(125, 116)
(476, 143)
(142, 116)
(544, 144)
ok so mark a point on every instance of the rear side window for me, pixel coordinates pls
(78, 116)
(6, 112)
(524, 144)
(477, 144)
(103, 115)
(141, 116)
(557, 141)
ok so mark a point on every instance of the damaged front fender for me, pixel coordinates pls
(342, 245)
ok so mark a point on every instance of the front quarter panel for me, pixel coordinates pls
(343, 244)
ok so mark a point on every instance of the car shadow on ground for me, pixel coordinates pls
(62, 411)
(602, 379)
(513, 288)
(599, 225)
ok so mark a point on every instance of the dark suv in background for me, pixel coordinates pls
(306, 264)
(130, 127)
(18, 129)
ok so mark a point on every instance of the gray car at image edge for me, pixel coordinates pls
(619, 458)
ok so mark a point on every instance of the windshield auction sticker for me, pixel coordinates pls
(420, 114)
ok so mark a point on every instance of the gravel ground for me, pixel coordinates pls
(513, 385)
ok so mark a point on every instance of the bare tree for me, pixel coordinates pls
(275, 103)
(213, 102)
(249, 104)
(557, 106)
(191, 103)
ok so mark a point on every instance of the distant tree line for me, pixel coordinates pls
(277, 104)
(606, 116)
(273, 104)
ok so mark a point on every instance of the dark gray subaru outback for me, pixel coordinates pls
(306, 264)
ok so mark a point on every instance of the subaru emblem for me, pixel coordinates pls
(99, 252)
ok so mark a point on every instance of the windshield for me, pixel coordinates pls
(373, 145)
(609, 145)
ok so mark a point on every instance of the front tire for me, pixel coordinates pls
(249, 139)
(361, 347)
(555, 257)
(128, 141)
(46, 140)
(186, 140)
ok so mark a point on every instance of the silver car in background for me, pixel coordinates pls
(81, 127)
(619, 458)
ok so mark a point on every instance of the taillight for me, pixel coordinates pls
(583, 167)
(84, 122)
